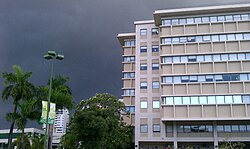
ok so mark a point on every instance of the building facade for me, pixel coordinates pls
(186, 77)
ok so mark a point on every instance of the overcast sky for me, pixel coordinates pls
(83, 30)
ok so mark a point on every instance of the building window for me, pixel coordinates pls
(143, 49)
(155, 66)
(144, 104)
(143, 32)
(144, 128)
(155, 48)
(130, 109)
(143, 85)
(156, 84)
(143, 67)
(129, 75)
(129, 92)
(129, 43)
(156, 128)
(156, 104)
(129, 59)
(154, 31)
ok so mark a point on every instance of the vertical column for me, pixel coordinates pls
(216, 145)
(175, 135)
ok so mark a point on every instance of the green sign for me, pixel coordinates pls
(52, 112)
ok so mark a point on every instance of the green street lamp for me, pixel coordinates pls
(51, 55)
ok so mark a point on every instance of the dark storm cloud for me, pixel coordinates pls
(84, 31)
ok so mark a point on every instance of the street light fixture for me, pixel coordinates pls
(51, 55)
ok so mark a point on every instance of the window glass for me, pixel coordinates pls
(200, 58)
(241, 56)
(183, 21)
(248, 128)
(209, 128)
(213, 19)
(187, 128)
(226, 78)
(183, 39)
(143, 32)
(143, 66)
(198, 39)
(233, 57)
(201, 79)
(169, 128)
(231, 37)
(237, 99)
(208, 58)
(167, 40)
(206, 38)
(224, 57)
(156, 104)
(220, 128)
(184, 59)
(211, 100)
(177, 80)
(143, 85)
(220, 99)
(246, 36)
(243, 77)
(227, 128)
(229, 18)
(235, 128)
(203, 100)
(154, 31)
(244, 17)
(216, 57)
(218, 78)
(247, 56)
(155, 66)
(156, 127)
(169, 80)
(177, 100)
(169, 100)
(191, 39)
(175, 21)
(144, 104)
(176, 59)
(156, 85)
(228, 99)
(221, 18)
(193, 78)
(192, 58)
(190, 20)
(237, 17)
(180, 129)
(194, 100)
(205, 19)
(243, 128)
(144, 128)
(185, 79)
(194, 128)
(209, 78)
(167, 60)
(155, 48)
(235, 77)
(143, 49)
(186, 100)
(167, 22)
(197, 20)
(239, 36)
(175, 40)
(215, 38)
(246, 99)
(223, 37)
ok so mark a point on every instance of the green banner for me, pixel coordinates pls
(52, 112)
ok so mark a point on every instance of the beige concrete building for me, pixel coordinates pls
(186, 77)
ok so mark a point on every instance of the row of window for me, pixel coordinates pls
(155, 48)
(155, 85)
(154, 31)
(205, 19)
(129, 43)
(155, 128)
(207, 78)
(129, 59)
(194, 128)
(129, 75)
(155, 66)
(155, 104)
(206, 58)
(129, 92)
(206, 38)
(233, 128)
(186, 100)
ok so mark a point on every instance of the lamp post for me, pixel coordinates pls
(51, 55)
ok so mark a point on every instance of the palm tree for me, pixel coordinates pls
(18, 88)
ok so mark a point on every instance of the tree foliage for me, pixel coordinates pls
(97, 123)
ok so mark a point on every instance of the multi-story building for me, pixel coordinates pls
(186, 77)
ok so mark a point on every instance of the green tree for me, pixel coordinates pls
(97, 123)
(22, 144)
(17, 87)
